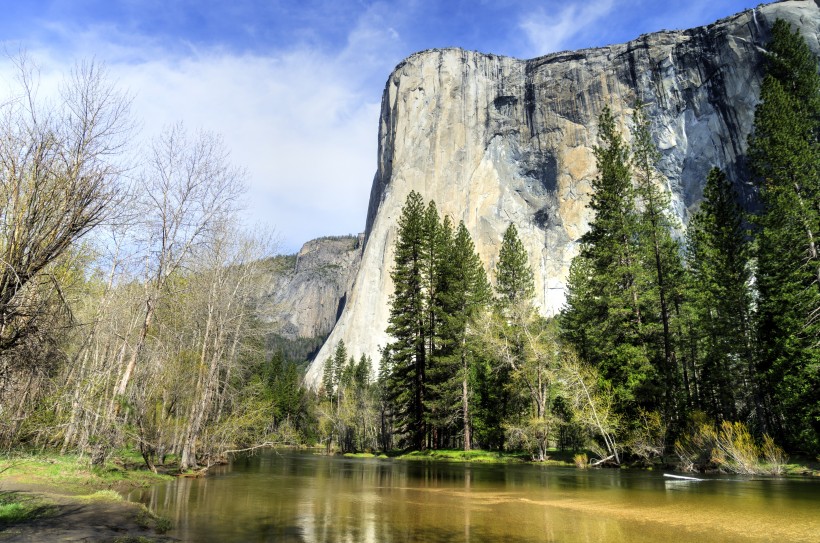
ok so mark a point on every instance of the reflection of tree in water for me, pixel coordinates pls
(305, 498)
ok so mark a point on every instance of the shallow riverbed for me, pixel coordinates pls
(301, 497)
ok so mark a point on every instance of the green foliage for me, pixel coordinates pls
(661, 256)
(719, 297)
(408, 322)
(784, 155)
(607, 311)
(513, 275)
(729, 447)
(299, 350)
(463, 290)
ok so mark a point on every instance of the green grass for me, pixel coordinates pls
(478, 456)
(455, 455)
(74, 474)
(149, 520)
(363, 455)
(16, 507)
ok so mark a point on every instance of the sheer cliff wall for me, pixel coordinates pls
(495, 140)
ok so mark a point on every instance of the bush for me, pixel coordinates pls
(581, 461)
(729, 447)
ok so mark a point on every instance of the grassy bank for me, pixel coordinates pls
(72, 474)
(477, 456)
(47, 496)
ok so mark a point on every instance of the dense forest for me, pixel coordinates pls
(703, 345)
(127, 311)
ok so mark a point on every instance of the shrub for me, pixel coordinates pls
(729, 447)
(581, 461)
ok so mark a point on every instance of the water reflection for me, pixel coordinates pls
(298, 497)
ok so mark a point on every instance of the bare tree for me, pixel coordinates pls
(593, 404)
(189, 187)
(527, 345)
(59, 169)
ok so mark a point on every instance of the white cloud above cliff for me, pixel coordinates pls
(549, 30)
(295, 87)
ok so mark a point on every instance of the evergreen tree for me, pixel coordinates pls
(463, 290)
(605, 313)
(339, 361)
(661, 260)
(514, 294)
(328, 380)
(408, 323)
(361, 374)
(514, 278)
(784, 157)
(717, 256)
(438, 391)
(286, 393)
(435, 242)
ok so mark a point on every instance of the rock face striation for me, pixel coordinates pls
(304, 294)
(495, 140)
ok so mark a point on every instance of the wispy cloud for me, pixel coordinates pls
(303, 122)
(548, 31)
(294, 86)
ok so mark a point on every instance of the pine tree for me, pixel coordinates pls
(439, 371)
(286, 394)
(362, 371)
(784, 157)
(514, 278)
(328, 380)
(463, 290)
(339, 362)
(408, 323)
(661, 260)
(515, 290)
(605, 313)
(434, 247)
(718, 260)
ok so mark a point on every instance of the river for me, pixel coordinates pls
(290, 496)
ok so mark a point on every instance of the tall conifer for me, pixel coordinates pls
(463, 291)
(785, 159)
(718, 260)
(661, 261)
(604, 317)
(407, 323)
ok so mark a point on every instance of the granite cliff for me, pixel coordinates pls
(495, 140)
(302, 295)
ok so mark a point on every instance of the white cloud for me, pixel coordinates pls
(551, 31)
(301, 122)
(305, 135)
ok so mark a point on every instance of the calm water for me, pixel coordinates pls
(301, 497)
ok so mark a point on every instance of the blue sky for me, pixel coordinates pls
(294, 86)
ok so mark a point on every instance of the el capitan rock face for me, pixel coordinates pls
(495, 140)
(303, 294)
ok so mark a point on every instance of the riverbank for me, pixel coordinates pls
(797, 467)
(476, 456)
(51, 497)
